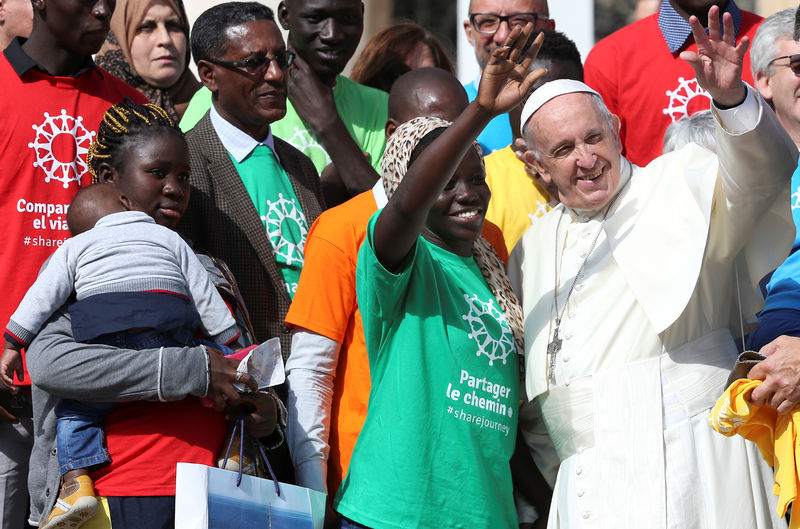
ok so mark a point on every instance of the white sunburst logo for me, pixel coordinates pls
(280, 211)
(541, 209)
(683, 96)
(304, 141)
(60, 145)
(493, 347)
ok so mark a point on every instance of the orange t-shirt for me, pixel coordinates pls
(325, 303)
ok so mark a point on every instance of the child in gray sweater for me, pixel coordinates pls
(137, 285)
(118, 254)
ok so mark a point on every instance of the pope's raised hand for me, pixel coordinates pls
(717, 64)
(505, 80)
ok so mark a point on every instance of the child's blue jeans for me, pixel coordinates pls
(79, 433)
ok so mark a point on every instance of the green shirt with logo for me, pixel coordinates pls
(442, 417)
(279, 210)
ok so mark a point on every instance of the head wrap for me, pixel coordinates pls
(394, 166)
(548, 91)
(115, 55)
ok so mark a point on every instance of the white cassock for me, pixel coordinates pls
(646, 340)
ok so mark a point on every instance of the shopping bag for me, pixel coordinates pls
(208, 498)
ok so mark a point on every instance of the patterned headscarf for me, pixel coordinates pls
(394, 166)
(115, 55)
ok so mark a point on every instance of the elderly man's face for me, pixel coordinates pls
(80, 26)
(782, 86)
(579, 150)
(250, 101)
(325, 33)
(485, 43)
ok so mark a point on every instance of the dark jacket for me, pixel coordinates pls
(222, 220)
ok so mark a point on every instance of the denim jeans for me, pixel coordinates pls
(347, 523)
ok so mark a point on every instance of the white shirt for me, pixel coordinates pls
(237, 142)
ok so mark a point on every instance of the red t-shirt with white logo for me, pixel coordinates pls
(649, 87)
(48, 124)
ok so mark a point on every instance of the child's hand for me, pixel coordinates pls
(10, 363)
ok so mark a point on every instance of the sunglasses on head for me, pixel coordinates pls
(794, 62)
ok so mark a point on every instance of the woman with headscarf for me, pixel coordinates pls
(148, 48)
(442, 328)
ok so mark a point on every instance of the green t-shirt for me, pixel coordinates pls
(279, 209)
(442, 417)
(363, 110)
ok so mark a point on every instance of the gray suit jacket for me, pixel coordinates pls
(222, 220)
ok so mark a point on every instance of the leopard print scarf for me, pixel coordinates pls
(395, 163)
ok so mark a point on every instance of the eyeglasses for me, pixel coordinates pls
(794, 62)
(283, 59)
(489, 23)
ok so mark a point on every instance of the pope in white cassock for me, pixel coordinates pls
(629, 289)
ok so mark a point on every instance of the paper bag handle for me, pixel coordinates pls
(238, 426)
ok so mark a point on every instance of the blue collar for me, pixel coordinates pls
(676, 29)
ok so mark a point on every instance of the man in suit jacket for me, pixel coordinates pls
(253, 195)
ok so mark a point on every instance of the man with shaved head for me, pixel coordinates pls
(488, 24)
(328, 370)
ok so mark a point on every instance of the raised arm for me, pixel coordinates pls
(504, 83)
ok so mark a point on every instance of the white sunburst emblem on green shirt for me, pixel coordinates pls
(493, 347)
(280, 211)
(304, 141)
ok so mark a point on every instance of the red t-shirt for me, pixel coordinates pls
(146, 440)
(48, 124)
(649, 87)
(329, 308)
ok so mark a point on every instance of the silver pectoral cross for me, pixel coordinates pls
(552, 350)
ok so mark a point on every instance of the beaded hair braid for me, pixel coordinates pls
(120, 122)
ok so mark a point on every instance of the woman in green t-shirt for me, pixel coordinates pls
(442, 328)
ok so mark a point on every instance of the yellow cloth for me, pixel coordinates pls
(775, 435)
(102, 518)
(516, 198)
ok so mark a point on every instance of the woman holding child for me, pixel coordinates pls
(442, 328)
(162, 419)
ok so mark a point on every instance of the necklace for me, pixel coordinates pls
(554, 347)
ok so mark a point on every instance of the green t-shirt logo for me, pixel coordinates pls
(304, 141)
(286, 229)
(489, 329)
